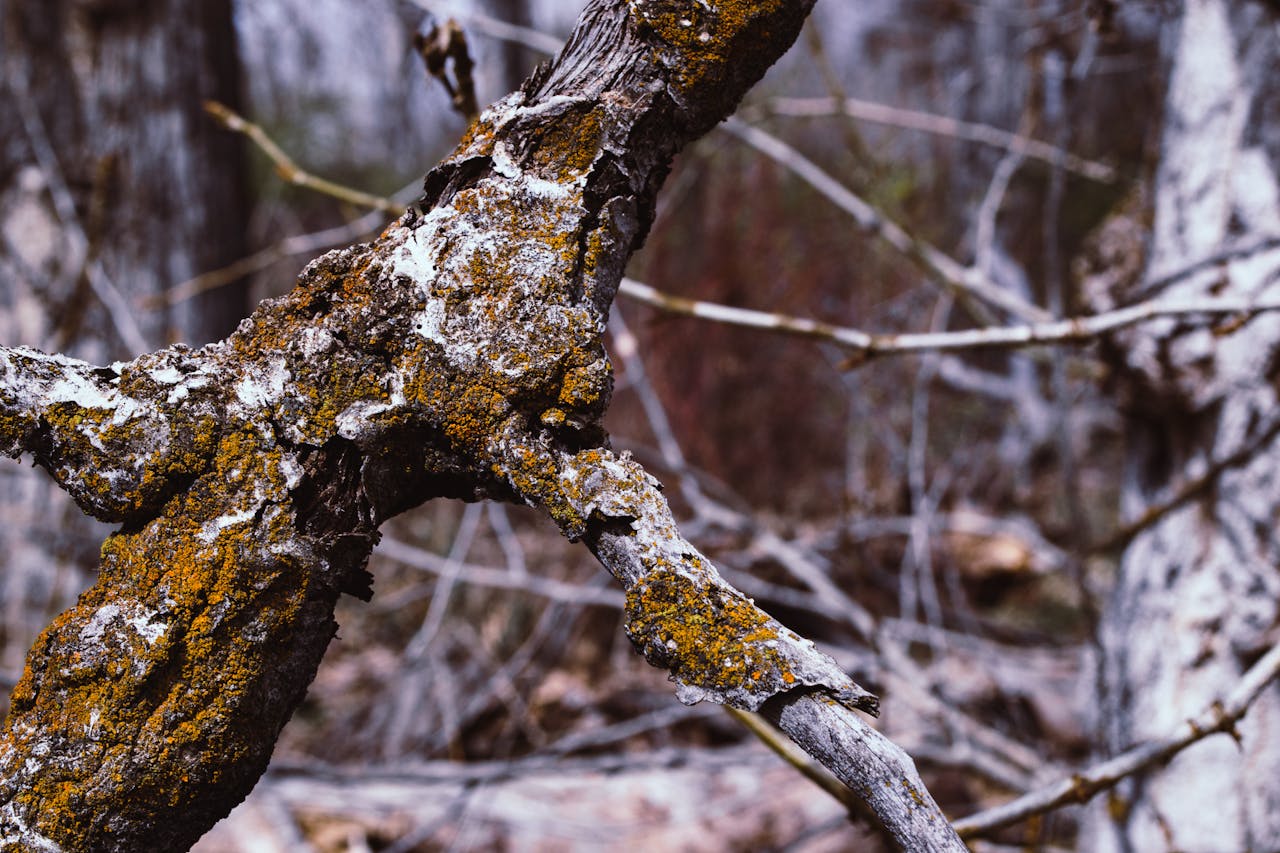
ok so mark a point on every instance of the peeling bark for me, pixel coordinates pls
(459, 355)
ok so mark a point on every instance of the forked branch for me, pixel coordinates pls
(460, 354)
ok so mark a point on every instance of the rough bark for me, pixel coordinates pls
(1196, 601)
(459, 355)
(111, 178)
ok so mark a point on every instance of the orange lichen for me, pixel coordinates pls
(707, 635)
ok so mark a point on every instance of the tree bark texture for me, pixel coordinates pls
(458, 355)
(1198, 597)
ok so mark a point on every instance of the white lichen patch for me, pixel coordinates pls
(265, 387)
(352, 422)
(532, 185)
(35, 382)
(291, 470)
(210, 530)
(113, 618)
(14, 830)
(167, 375)
(314, 341)
(415, 257)
(430, 321)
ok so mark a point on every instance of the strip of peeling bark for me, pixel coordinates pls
(459, 355)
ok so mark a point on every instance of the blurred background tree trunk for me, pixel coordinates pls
(114, 187)
(1197, 595)
(517, 61)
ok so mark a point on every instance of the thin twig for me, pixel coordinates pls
(1121, 537)
(1218, 259)
(301, 244)
(806, 766)
(118, 308)
(288, 170)
(866, 345)
(1057, 105)
(662, 718)
(1219, 716)
(483, 576)
(940, 125)
(864, 165)
(917, 583)
(501, 30)
(463, 539)
(445, 47)
(508, 541)
(966, 283)
(1076, 330)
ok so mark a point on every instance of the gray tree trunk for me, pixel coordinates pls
(115, 89)
(1196, 600)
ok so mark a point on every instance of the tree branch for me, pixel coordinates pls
(1080, 787)
(460, 354)
(941, 125)
(288, 170)
(866, 345)
(966, 283)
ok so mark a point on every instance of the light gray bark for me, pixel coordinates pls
(1198, 592)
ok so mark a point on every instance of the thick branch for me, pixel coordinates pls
(459, 355)
(122, 439)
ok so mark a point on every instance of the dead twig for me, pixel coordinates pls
(939, 125)
(1220, 716)
(444, 52)
(866, 345)
(290, 171)
(965, 282)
